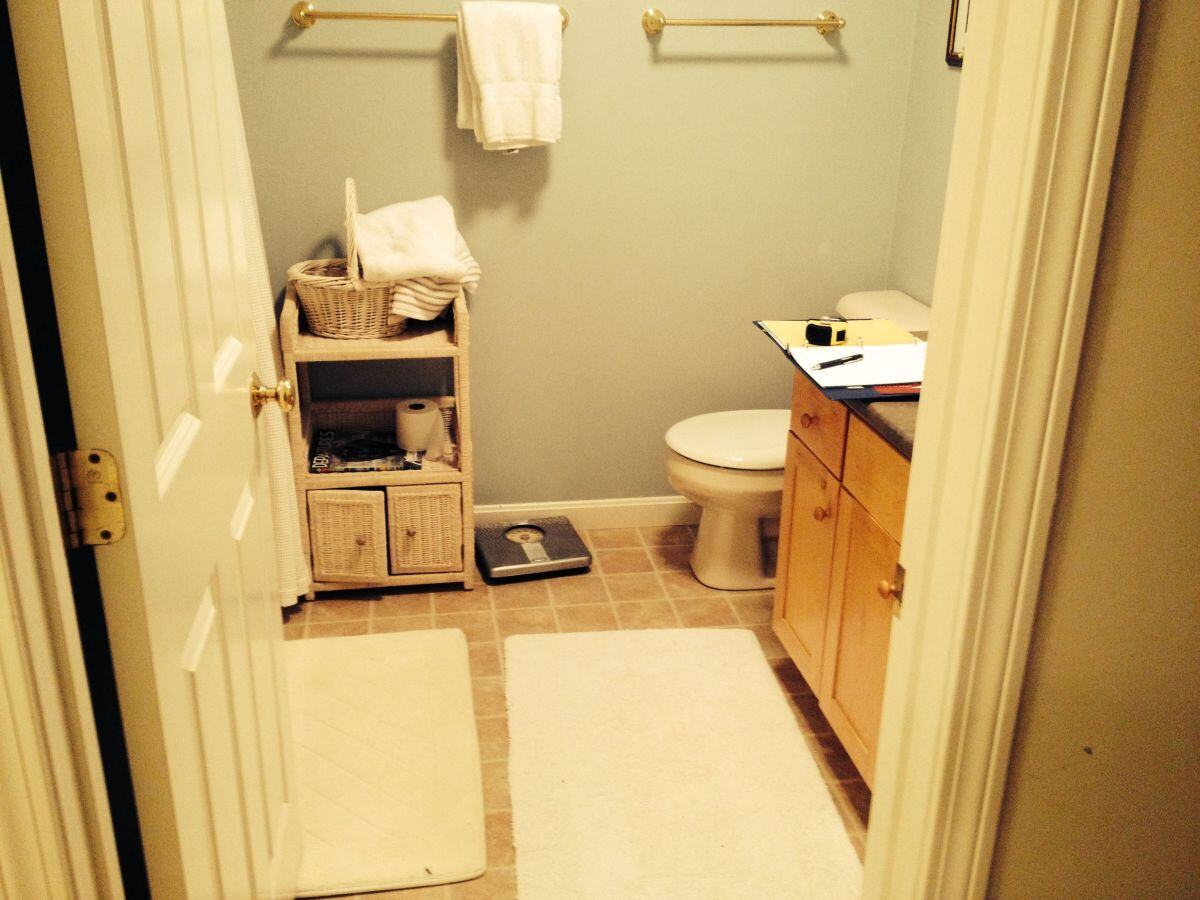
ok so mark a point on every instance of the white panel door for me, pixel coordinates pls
(136, 132)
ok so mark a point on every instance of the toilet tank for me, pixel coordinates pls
(907, 312)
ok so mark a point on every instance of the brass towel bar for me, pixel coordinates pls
(305, 15)
(654, 21)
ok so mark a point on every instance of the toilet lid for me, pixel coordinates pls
(754, 439)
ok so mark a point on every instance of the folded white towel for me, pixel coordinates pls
(415, 239)
(509, 66)
(425, 299)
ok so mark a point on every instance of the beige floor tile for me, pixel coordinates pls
(832, 757)
(495, 785)
(704, 612)
(337, 629)
(520, 594)
(496, 884)
(857, 795)
(860, 845)
(790, 678)
(340, 610)
(477, 626)
(293, 631)
(489, 698)
(296, 614)
(591, 617)
(500, 850)
(616, 562)
(478, 600)
(493, 738)
(637, 586)
(614, 538)
(753, 609)
(684, 584)
(401, 623)
(485, 660)
(808, 714)
(668, 535)
(771, 647)
(393, 605)
(581, 589)
(437, 892)
(525, 621)
(646, 614)
(672, 559)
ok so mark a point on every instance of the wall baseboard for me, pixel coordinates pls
(624, 512)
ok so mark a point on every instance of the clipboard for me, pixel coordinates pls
(863, 334)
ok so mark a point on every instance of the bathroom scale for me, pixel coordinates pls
(530, 547)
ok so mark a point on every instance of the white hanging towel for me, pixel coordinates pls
(509, 66)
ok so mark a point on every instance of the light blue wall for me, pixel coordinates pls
(719, 176)
(925, 157)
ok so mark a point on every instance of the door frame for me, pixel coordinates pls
(1027, 188)
(51, 774)
(1038, 115)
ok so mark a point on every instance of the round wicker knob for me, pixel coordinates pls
(807, 421)
(361, 541)
(820, 514)
(411, 532)
(886, 589)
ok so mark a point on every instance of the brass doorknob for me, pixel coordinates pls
(807, 421)
(821, 514)
(284, 393)
(886, 589)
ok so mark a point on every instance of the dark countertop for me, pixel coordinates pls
(893, 420)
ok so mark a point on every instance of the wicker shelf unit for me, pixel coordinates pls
(383, 529)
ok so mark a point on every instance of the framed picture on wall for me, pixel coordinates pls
(956, 40)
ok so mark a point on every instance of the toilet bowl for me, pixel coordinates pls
(730, 464)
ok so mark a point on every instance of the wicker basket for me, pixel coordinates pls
(337, 302)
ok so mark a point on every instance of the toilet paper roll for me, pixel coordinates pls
(419, 427)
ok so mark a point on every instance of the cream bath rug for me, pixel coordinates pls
(662, 765)
(387, 762)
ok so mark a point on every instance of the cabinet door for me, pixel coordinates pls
(860, 625)
(805, 558)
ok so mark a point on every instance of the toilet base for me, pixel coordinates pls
(728, 553)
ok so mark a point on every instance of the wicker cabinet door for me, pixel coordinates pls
(425, 528)
(349, 535)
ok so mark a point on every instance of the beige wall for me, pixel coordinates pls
(718, 177)
(1103, 797)
(925, 156)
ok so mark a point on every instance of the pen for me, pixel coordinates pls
(838, 362)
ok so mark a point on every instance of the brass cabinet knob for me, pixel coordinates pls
(886, 589)
(821, 514)
(284, 393)
(807, 420)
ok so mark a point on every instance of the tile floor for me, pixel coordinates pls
(639, 579)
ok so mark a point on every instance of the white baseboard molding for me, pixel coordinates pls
(625, 512)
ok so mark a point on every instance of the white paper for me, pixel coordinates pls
(886, 364)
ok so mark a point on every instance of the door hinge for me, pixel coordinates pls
(89, 497)
(898, 590)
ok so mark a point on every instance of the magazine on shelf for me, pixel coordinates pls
(341, 450)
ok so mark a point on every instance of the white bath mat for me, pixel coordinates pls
(387, 760)
(664, 764)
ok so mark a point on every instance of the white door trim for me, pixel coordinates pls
(1037, 123)
(51, 780)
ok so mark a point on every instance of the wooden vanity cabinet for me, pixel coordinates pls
(840, 525)
(806, 539)
(859, 626)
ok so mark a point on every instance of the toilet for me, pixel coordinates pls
(730, 464)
